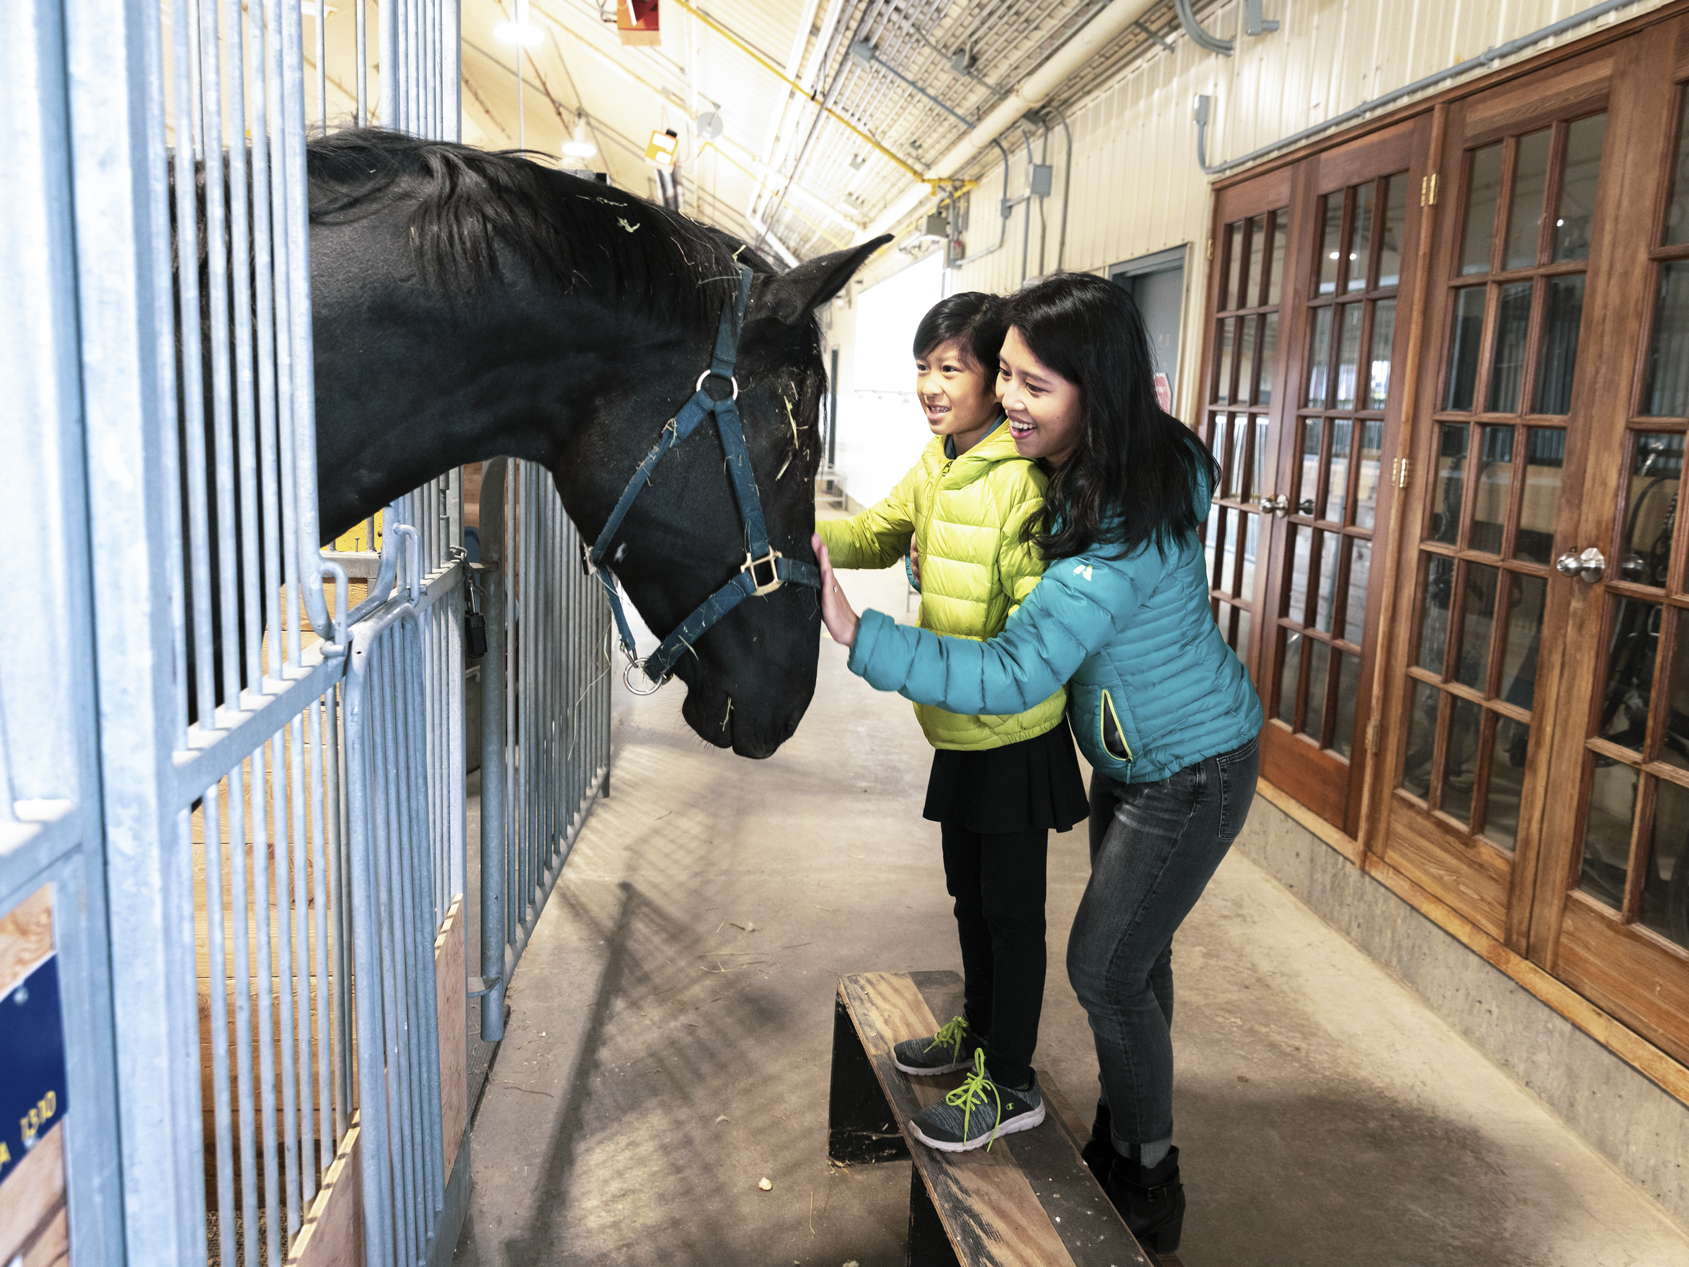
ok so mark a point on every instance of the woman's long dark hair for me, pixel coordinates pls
(1134, 478)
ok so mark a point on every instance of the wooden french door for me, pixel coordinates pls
(1303, 406)
(1538, 755)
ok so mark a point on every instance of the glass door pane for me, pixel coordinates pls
(1330, 481)
(1511, 309)
(1238, 413)
(1614, 912)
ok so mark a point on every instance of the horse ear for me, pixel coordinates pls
(796, 293)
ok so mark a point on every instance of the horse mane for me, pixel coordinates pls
(568, 232)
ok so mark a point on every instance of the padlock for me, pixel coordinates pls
(474, 623)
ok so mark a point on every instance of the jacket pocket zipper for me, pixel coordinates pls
(1114, 742)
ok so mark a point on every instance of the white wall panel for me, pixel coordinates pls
(1136, 185)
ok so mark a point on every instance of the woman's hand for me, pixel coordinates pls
(836, 611)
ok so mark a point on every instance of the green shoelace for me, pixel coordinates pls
(972, 1093)
(950, 1036)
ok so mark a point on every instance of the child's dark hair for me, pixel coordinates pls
(1138, 471)
(974, 318)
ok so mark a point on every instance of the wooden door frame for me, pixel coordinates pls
(1631, 976)
(1498, 889)
(1239, 202)
(1298, 188)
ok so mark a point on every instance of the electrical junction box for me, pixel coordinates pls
(1043, 180)
(937, 226)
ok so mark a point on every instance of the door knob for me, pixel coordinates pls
(1591, 565)
(1279, 505)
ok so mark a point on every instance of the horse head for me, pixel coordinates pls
(750, 676)
(468, 305)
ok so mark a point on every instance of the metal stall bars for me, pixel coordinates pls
(546, 675)
(55, 986)
(228, 838)
(399, 1083)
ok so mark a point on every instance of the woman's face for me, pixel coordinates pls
(1043, 407)
(956, 394)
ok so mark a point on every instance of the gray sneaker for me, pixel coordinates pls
(952, 1048)
(977, 1112)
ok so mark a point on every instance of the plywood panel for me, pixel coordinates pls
(451, 991)
(26, 936)
(32, 1205)
(332, 1234)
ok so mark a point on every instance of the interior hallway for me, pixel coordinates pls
(671, 1023)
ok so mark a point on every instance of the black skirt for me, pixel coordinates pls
(1033, 783)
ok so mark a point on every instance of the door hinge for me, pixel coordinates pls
(1428, 190)
(1399, 472)
(1210, 248)
(1372, 737)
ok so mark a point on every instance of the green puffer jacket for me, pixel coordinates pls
(966, 514)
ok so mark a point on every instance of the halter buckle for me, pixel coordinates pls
(768, 564)
(731, 378)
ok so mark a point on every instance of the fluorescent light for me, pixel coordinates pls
(579, 144)
(524, 33)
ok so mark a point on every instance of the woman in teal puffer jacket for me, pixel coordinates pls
(1159, 704)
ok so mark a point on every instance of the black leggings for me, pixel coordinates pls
(998, 881)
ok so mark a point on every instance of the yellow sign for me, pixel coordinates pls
(360, 537)
(660, 149)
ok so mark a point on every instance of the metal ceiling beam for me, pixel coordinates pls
(1085, 44)
(774, 70)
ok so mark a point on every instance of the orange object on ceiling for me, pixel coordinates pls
(636, 22)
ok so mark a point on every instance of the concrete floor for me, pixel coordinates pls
(671, 1022)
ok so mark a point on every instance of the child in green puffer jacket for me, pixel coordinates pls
(999, 782)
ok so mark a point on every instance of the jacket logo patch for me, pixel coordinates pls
(1082, 569)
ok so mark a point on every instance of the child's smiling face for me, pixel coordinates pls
(957, 395)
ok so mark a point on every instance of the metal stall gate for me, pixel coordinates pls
(542, 770)
(231, 809)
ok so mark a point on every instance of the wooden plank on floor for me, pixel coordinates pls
(1027, 1181)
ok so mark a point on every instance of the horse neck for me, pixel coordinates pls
(429, 387)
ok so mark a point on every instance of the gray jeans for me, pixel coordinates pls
(1153, 848)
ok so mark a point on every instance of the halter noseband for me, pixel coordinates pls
(764, 569)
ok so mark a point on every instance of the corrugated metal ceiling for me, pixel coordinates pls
(811, 177)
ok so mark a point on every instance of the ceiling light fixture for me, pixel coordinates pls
(521, 31)
(579, 145)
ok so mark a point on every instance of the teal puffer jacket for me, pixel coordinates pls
(1151, 685)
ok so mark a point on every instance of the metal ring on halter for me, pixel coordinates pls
(734, 379)
(638, 666)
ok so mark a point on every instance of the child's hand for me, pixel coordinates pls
(836, 612)
(915, 561)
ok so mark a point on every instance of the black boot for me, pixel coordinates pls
(1150, 1198)
(1099, 1153)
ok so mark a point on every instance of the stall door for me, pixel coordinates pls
(1304, 407)
(1541, 761)
(1611, 910)
(1243, 391)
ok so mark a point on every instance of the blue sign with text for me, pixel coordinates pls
(32, 1063)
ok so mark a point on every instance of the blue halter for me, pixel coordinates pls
(764, 569)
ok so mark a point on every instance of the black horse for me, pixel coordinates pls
(469, 304)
